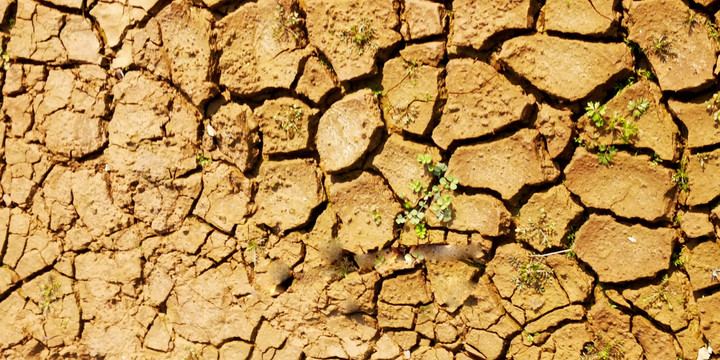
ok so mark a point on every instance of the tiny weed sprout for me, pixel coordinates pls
(359, 36)
(287, 23)
(5, 61)
(414, 258)
(647, 74)
(538, 231)
(704, 157)
(290, 120)
(679, 257)
(375, 215)
(595, 112)
(606, 154)
(600, 350)
(533, 274)
(638, 107)
(691, 20)
(713, 32)
(201, 160)
(436, 198)
(48, 295)
(713, 106)
(380, 260)
(345, 267)
(681, 177)
(662, 47)
(655, 159)
(660, 295)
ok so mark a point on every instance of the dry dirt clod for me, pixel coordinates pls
(664, 300)
(317, 80)
(544, 220)
(702, 170)
(479, 213)
(630, 187)
(483, 106)
(496, 164)
(586, 66)
(605, 245)
(114, 17)
(421, 19)
(236, 135)
(347, 130)
(702, 260)
(595, 18)
(703, 129)
(258, 50)
(681, 53)
(708, 310)
(285, 124)
(411, 91)
(474, 23)
(288, 192)
(351, 33)
(556, 126)
(226, 195)
(655, 343)
(363, 229)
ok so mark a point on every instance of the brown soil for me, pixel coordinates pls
(233, 179)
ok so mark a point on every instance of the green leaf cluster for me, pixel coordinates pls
(532, 274)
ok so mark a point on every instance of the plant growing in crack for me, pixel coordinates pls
(606, 154)
(681, 177)
(436, 198)
(713, 106)
(679, 257)
(360, 36)
(662, 47)
(257, 248)
(201, 160)
(638, 107)
(407, 113)
(537, 231)
(48, 295)
(290, 120)
(345, 267)
(287, 23)
(602, 350)
(532, 274)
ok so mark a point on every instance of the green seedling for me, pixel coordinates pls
(290, 120)
(436, 198)
(704, 158)
(201, 160)
(599, 350)
(712, 31)
(414, 258)
(655, 159)
(681, 177)
(539, 230)
(713, 106)
(606, 154)
(638, 107)
(5, 61)
(679, 257)
(691, 20)
(375, 215)
(345, 267)
(532, 274)
(662, 47)
(595, 112)
(380, 260)
(647, 74)
(48, 295)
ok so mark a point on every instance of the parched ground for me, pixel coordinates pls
(359, 179)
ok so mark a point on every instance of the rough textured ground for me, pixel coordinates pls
(222, 179)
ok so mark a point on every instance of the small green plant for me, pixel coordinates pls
(606, 154)
(380, 260)
(713, 106)
(327, 65)
(410, 68)
(655, 159)
(290, 120)
(360, 36)
(596, 113)
(691, 20)
(570, 245)
(201, 160)
(532, 274)
(704, 158)
(638, 107)
(5, 60)
(539, 230)
(662, 47)
(647, 74)
(257, 248)
(48, 295)
(530, 337)
(377, 90)
(414, 258)
(375, 215)
(712, 30)
(436, 198)
(345, 267)
(600, 350)
(660, 295)
(621, 127)
(681, 177)
(287, 23)
(679, 257)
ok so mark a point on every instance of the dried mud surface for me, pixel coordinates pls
(221, 179)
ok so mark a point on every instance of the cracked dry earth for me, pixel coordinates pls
(219, 179)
